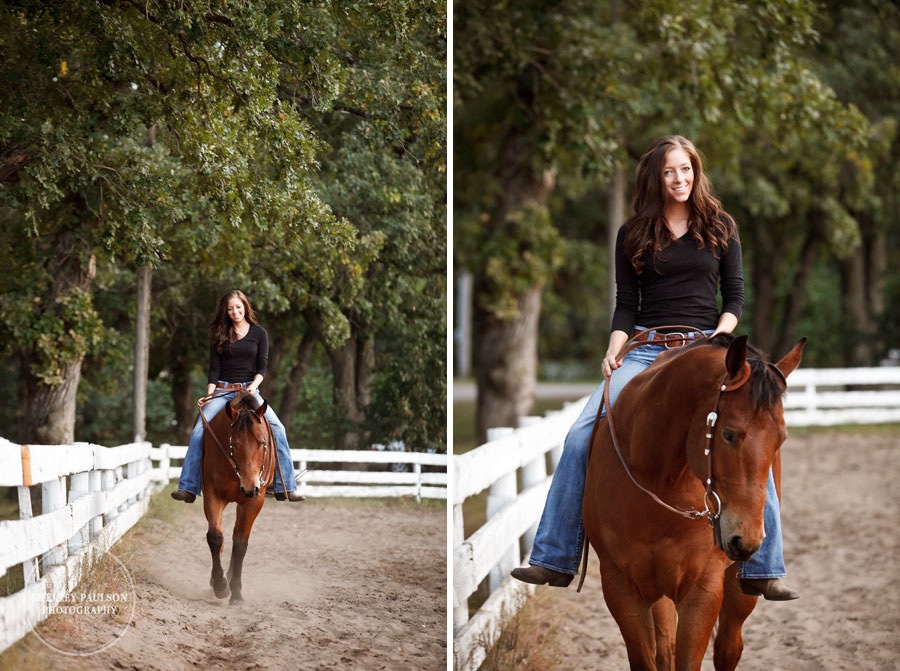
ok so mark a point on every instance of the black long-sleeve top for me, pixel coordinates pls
(241, 361)
(678, 285)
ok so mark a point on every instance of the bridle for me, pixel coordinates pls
(229, 454)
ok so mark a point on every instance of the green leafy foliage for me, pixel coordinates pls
(214, 143)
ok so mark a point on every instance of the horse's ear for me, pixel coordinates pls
(261, 410)
(792, 359)
(736, 357)
(229, 410)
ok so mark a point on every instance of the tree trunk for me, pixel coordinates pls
(507, 364)
(347, 412)
(298, 371)
(48, 411)
(854, 309)
(617, 195)
(787, 333)
(142, 351)
(183, 399)
(352, 367)
(767, 260)
(506, 346)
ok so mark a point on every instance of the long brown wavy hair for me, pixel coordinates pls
(221, 330)
(708, 223)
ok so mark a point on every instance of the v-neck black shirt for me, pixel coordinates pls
(678, 285)
(241, 361)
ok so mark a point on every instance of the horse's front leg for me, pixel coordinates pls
(665, 619)
(736, 607)
(243, 523)
(633, 615)
(697, 614)
(213, 507)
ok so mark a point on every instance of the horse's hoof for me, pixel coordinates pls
(236, 600)
(220, 587)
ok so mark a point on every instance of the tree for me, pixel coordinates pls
(554, 96)
(84, 86)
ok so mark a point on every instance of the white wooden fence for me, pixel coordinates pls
(816, 397)
(346, 482)
(91, 495)
(108, 491)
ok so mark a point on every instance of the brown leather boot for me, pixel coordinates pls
(773, 589)
(294, 497)
(182, 495)
(538, 575)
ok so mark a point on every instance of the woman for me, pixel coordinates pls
(238, 354)
(670, 256)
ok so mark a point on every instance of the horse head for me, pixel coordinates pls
(249, 441)
(744, 427)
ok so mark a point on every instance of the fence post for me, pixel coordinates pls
(533, 473)
(95, 484)
(79, 485)
(417, 469)
(501, 493)
(165, 462)
(53, 497)
(29, 567)
(460, 611)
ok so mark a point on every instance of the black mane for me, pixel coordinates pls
(767, 386)
(245, 404)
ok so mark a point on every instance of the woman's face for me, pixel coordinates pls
(678, 176)
(235, 310)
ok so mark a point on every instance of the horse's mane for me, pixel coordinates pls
(245, 404)
(766, 386)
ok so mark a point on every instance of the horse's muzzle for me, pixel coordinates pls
(735, 547)
(251, 494)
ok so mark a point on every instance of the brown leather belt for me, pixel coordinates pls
(669, 339)
(232, 386)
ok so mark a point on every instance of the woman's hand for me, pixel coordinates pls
(608, 365)
(617, 340)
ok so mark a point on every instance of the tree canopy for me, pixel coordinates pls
(285, 148)
(554, 104)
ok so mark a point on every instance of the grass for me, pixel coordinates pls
(525, 642)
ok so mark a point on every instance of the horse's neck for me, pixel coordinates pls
(661, 415)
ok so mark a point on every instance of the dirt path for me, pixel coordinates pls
(841, 517)
(337, 584)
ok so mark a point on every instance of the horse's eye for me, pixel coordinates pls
(729, 436)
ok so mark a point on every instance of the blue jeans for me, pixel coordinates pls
(193, 460)
(559, 539)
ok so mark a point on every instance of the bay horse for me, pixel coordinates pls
(238, 466)
(696, 434)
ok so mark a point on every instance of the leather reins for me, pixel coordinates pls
(229, 454)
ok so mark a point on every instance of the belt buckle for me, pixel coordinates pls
(675, 339)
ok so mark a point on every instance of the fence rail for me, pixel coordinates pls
(91, 495)
(512, 468)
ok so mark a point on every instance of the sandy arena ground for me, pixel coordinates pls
(337, 584)
(841, 514)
